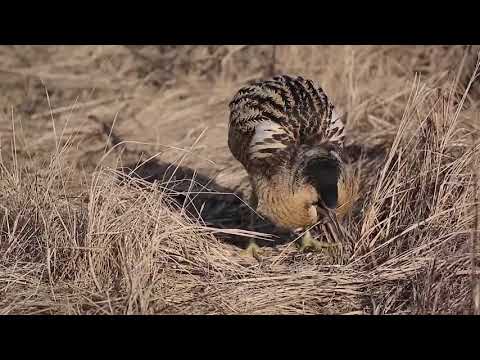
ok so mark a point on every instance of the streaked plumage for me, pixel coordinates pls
(288, 136)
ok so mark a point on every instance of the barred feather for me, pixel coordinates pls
(283, 130)
(271, 115)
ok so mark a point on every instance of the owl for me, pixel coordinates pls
(290, 139)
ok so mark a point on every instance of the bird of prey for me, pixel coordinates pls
(289, 138)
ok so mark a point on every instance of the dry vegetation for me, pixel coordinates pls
(80, 237)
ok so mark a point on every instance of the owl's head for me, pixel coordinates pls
(304, 191)
(320, 167)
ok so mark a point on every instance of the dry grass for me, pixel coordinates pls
(80, 237)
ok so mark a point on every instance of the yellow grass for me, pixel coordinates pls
(118, 194)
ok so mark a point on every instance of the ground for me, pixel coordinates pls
(82, 233)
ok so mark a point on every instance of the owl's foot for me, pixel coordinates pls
(307, 242)
(253, 250)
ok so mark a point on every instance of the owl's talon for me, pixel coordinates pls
(308, 242)
(253, 250)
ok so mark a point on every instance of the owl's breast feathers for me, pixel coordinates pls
(270, 120)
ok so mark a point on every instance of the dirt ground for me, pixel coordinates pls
(78, 237)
